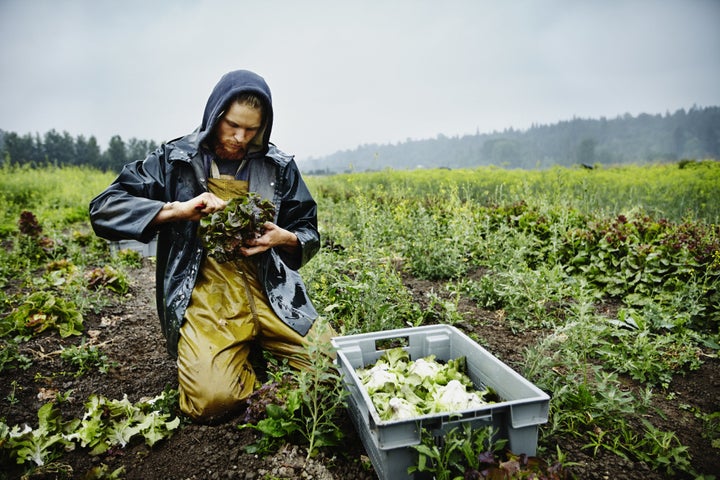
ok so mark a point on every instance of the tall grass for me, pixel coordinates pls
(57, 196)
(672, 191)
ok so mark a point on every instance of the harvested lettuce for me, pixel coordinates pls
(224, 233)
(401, 388)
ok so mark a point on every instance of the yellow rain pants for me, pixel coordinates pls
(228, 311)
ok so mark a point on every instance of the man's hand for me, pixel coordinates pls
(193, 210)
(274, 236)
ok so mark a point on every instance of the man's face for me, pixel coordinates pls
(235, 130)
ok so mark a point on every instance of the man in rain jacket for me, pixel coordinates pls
(210, 312)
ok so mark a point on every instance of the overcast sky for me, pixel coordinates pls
(347, 73)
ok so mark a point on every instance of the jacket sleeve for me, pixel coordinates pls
(126, 208)
(298, 214)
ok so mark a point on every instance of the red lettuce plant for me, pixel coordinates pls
(223, 233)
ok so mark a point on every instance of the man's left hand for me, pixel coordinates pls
(274, 236)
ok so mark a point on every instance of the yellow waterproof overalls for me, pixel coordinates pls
(227, 311)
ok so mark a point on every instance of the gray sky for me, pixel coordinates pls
(347, 73)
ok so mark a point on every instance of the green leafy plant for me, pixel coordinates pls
(32, 244)
(10, 356)
(116, 422)
(109, 278)
(85, 358)
(106, 423)
(130, 258)
(323, 398)
(37, 445)
(475, 453)
(711, 428)
(302, 406)
(631, 346)
(224, 232)
(401, 388)
(12, 398)
(357, 298)
(590, 403)
(40, 311)
(276, 406)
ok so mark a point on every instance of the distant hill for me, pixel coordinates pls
(693, 134)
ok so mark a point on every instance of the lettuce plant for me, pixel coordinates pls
(401, 388)
(223, 233)
(106, 423)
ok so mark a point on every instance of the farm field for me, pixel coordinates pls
(599, 286)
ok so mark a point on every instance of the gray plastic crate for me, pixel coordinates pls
(145, 249)
(522, 408)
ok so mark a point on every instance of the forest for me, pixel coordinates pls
(626, 139)
(62, 149)
(645, 138)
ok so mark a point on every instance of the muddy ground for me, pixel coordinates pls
(131, 337)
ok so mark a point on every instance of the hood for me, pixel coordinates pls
(230, 85)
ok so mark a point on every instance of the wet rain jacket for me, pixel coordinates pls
(177, 171)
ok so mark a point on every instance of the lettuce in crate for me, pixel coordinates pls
(224, 232)
(401, 388)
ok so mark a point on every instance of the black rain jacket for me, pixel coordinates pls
(176, 172)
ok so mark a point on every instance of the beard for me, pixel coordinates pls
(225, 152)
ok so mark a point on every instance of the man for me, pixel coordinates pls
(211, 312)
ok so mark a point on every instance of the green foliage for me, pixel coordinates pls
(107, 277)
(51, 193)
(475, 453)
(663, 191)
(548, 249)
(61, 149)
(588, 402)
(10, 356)
(356, 298)
(85, 358)
(48, 283)
(40, 311)
(39, 445)
(105, 423)
(224, 233)
(401, 388)
(302, 406)
(443, 241)
(130, 258)
(650, 355)
(616, 270)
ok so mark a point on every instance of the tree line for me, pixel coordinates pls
(691, 134)
(61, 149)
(645, 138)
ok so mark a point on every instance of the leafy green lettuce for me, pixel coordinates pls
(401, 388)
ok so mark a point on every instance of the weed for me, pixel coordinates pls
(130, 258)
(86, 358)
(10, 356)
(303, 405)
(12, 398)
(466, 452)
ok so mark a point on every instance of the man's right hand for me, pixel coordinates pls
(192, 210)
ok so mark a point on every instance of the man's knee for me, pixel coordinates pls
(209, 405)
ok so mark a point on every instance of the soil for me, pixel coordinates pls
(130, 334)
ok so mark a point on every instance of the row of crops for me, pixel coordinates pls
(552, 247)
